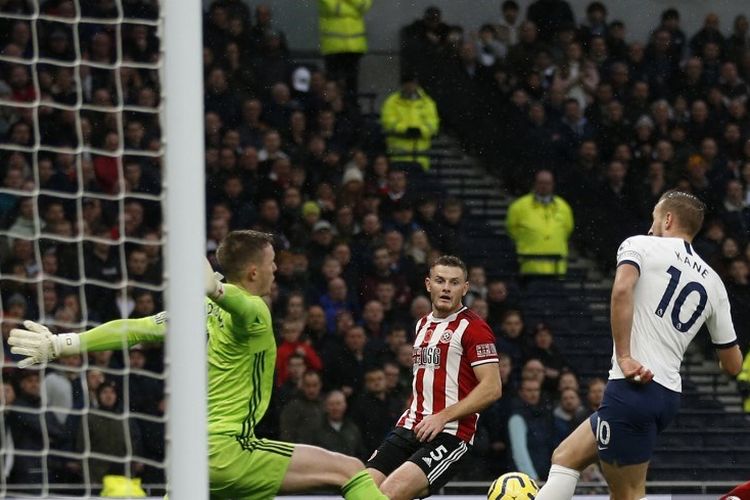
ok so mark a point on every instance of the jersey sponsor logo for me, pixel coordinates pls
(426, 356)
(486, 350)
(446, 337)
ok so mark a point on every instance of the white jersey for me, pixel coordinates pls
(676, 293)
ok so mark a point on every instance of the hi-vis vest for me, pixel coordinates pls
(342, 26)
(399, 114)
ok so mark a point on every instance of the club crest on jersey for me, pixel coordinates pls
(446, 337)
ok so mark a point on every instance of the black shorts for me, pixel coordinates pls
(437, 459)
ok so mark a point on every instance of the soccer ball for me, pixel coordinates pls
(513, 486)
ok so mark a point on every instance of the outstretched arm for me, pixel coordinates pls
(39, 345)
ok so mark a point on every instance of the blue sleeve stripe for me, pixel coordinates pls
(631, 262)
(727, 345)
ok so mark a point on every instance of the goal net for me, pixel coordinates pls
(81, 240)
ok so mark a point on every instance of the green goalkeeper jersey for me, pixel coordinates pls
(241, 356)
(241, 361)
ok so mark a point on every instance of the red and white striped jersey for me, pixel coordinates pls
(445, 352)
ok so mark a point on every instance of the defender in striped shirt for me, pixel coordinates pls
(456, 375)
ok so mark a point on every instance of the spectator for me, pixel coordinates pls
(737, 42)
(670, 21)
(335, 301)
(302, 416)
(710, 33)
(345, 366)
(29, 432)
(112, 436)
(531, 431)
(551, 17)
(422, 45)
(495, 419)
(375, 411)
(594, 394)
(509, 26)
(498, 302)
(394, 384)
(545, 350)
(568, 414)
(343, 39)
(540, 224)
(595, 24)
(292, 387)
(336, 431)
(291, 333)
(477, 285)
(453, 227)
(512, 340)
(410, 120)
(383, 270)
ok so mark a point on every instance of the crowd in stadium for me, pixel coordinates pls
(289, 151)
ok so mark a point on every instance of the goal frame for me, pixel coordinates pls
(187, 441)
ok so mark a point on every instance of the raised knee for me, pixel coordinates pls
(350, 465)
(558, 456)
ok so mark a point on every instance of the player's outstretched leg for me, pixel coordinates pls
(312, 467)
(574, 454)
(406, 482)
(626, 482)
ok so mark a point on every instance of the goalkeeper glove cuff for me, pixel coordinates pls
(66, 344)
(214, 287)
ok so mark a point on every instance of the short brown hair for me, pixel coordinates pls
(240, 248)
(450, 261)
(687, 207)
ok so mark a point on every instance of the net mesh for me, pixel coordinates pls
(80, 239)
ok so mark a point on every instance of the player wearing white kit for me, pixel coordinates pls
(663, 293)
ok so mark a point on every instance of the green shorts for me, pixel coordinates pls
(252, 470)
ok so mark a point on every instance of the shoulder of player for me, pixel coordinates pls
(639, 241)
(475, 321)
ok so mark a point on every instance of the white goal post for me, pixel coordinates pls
(187, 451)
(72, 111)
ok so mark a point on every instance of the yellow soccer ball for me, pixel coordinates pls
(513, 486)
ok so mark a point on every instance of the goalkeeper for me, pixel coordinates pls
(241, 358)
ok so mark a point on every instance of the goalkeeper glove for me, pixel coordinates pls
(39, 345)
(214, 286)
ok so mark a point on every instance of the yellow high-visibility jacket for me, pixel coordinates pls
(342, 26)
(541, 229)
(398, 115)
(744, 376)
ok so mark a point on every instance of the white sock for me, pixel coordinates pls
(560, 485)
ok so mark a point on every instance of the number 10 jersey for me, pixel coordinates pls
(676, 293)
